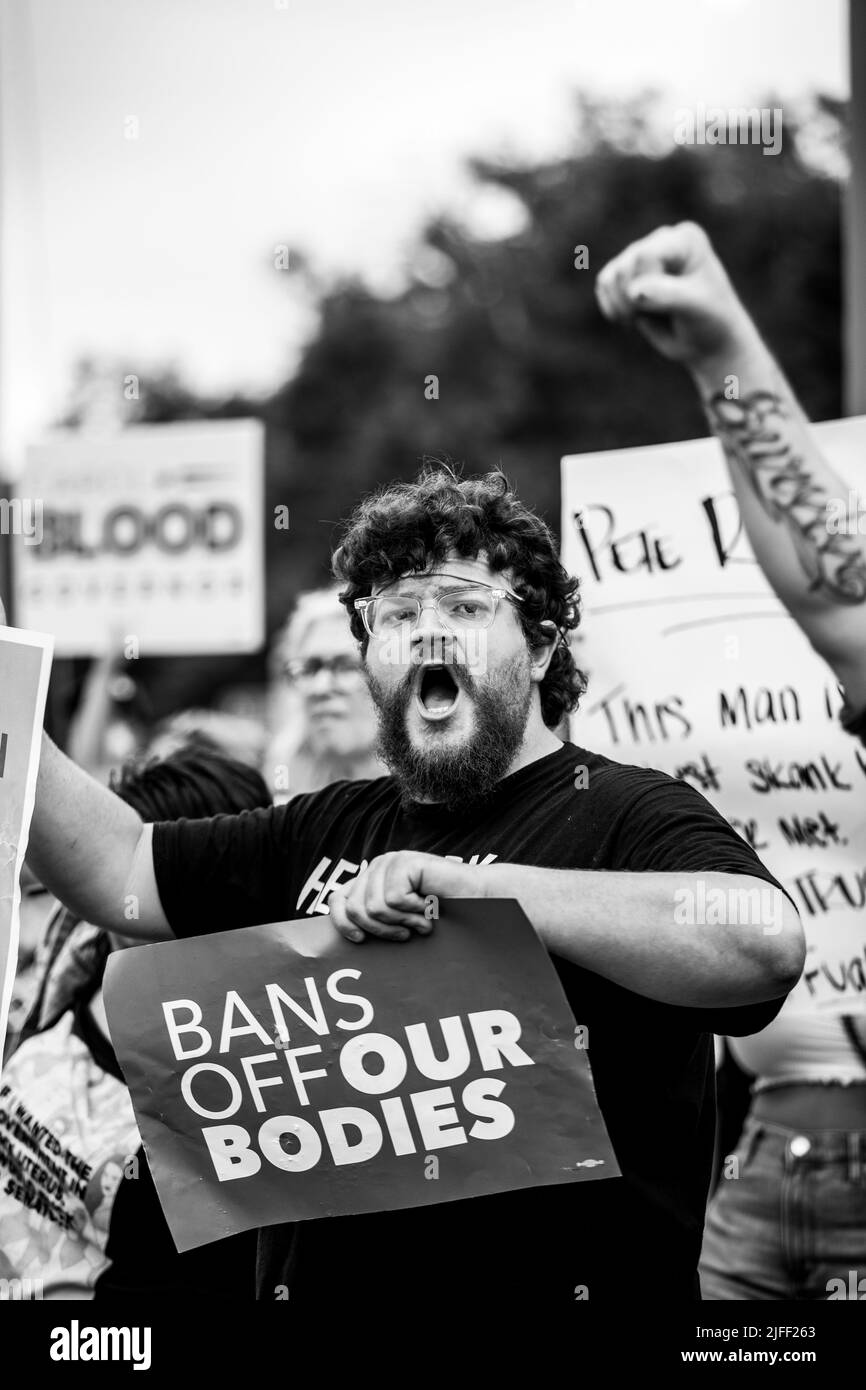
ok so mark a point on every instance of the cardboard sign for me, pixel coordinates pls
(155, 532)
(280, 1073)
(25, 665)
(697, 669)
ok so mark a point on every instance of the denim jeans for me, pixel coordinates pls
(789, 1218)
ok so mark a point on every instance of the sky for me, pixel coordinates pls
(154, 153)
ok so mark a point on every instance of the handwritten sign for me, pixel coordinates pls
(697, 669)
(25, 664)
(279, 1073)
(155, 531)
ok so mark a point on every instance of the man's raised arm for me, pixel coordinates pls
(92, 850)
(672, 286)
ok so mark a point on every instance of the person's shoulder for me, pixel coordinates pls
(343, 797)
(624, 782)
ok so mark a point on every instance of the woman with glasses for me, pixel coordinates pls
(322, 716)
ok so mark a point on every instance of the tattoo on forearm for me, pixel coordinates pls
(756, 433)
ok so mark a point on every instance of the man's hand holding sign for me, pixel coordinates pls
(398, 893)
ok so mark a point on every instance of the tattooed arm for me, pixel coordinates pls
(799, 513)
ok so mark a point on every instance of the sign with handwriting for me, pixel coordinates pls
(697, 669)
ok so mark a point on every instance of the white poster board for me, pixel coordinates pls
(25, 665)
(155, 531)
(695, 668)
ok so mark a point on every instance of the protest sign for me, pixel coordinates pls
(696, 668)
(280, 1073)
(25, 664)
(155, 532)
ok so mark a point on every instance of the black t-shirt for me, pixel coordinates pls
(652, 1063)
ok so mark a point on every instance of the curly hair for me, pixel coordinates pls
(404, 527)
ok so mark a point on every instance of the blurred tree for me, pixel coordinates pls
(109, 392)
(527, 368)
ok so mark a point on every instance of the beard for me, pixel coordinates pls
(463, 776)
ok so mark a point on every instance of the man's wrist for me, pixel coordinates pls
(505, 880)
(490, 884)
(525, 883)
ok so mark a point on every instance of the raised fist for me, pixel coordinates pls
(673, 287)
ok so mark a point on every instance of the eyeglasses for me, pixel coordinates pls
(338, 667)
(472, 606)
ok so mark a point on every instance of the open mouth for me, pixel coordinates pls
(437, 692)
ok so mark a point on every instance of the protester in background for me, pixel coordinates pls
(112, 721)
(803, 520)
(78, 1209)
(36, 908)
(795, 1218)
(323, 719)
(112, 715)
